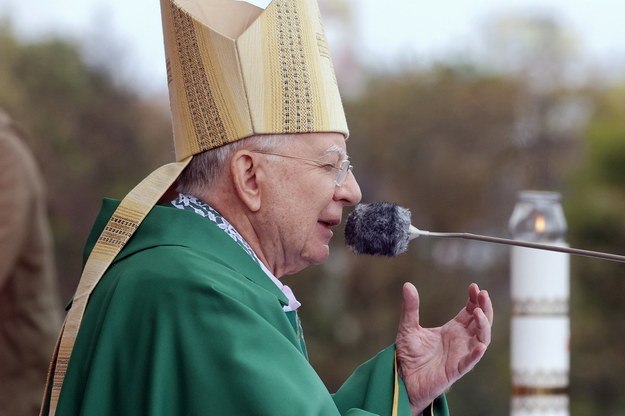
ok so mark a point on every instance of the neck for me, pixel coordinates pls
(243, 221)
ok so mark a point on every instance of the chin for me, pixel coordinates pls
(320, 255)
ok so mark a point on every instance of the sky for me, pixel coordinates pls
(382, 30)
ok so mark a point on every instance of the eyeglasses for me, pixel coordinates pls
(341, 170)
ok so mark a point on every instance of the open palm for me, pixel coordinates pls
(430, 360)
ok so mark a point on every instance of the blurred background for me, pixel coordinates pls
(453, 108)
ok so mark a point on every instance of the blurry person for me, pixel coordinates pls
(30, 312)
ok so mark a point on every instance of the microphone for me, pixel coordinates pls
(380, 228)
(384, 229)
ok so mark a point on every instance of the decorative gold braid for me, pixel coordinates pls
(395, 406)
(123, 223)
(119, 229)
(207, 121)
(296, 88)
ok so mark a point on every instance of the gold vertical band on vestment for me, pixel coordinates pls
(395, 408)
(119, 229)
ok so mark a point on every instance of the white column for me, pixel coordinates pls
(540, 327)
(540, 332)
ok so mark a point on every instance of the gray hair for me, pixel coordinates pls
(206, 168)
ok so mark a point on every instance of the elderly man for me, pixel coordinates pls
(180, 309)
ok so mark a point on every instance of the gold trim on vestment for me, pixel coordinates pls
(126, 218)
(395, 387)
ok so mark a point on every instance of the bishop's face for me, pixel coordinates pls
(302, 203)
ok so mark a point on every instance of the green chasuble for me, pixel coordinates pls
(185, 323)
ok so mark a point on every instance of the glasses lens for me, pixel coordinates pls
(341, 173)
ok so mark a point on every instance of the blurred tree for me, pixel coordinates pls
(92, 138)
(594, 207)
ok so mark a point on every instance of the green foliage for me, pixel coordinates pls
(594, 209)
(607, 146)
(91, 137)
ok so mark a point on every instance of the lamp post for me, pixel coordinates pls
(540, 327)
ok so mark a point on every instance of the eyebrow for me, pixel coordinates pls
(337, 149)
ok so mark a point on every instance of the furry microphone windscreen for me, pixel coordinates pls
(379, 228)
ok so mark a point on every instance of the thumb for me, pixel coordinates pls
(410, 311)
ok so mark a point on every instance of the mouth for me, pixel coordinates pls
(330, 223)
(326, 226)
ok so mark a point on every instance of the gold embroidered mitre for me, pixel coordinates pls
(235, 70)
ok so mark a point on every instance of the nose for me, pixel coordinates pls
(349, 193)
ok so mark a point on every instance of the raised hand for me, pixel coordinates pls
(430, 360)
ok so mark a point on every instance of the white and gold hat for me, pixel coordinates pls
(256, 72)
(234, 70)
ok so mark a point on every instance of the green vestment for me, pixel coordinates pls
(184, 322)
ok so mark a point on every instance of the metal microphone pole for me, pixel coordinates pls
(520, 243)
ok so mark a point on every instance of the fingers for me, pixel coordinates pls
(486, 305)
(410, 311)
(474, 292)
(482, 333)
(480, 299)
(477, 317)
(483, 325)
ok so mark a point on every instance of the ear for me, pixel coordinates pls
(244, 168)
